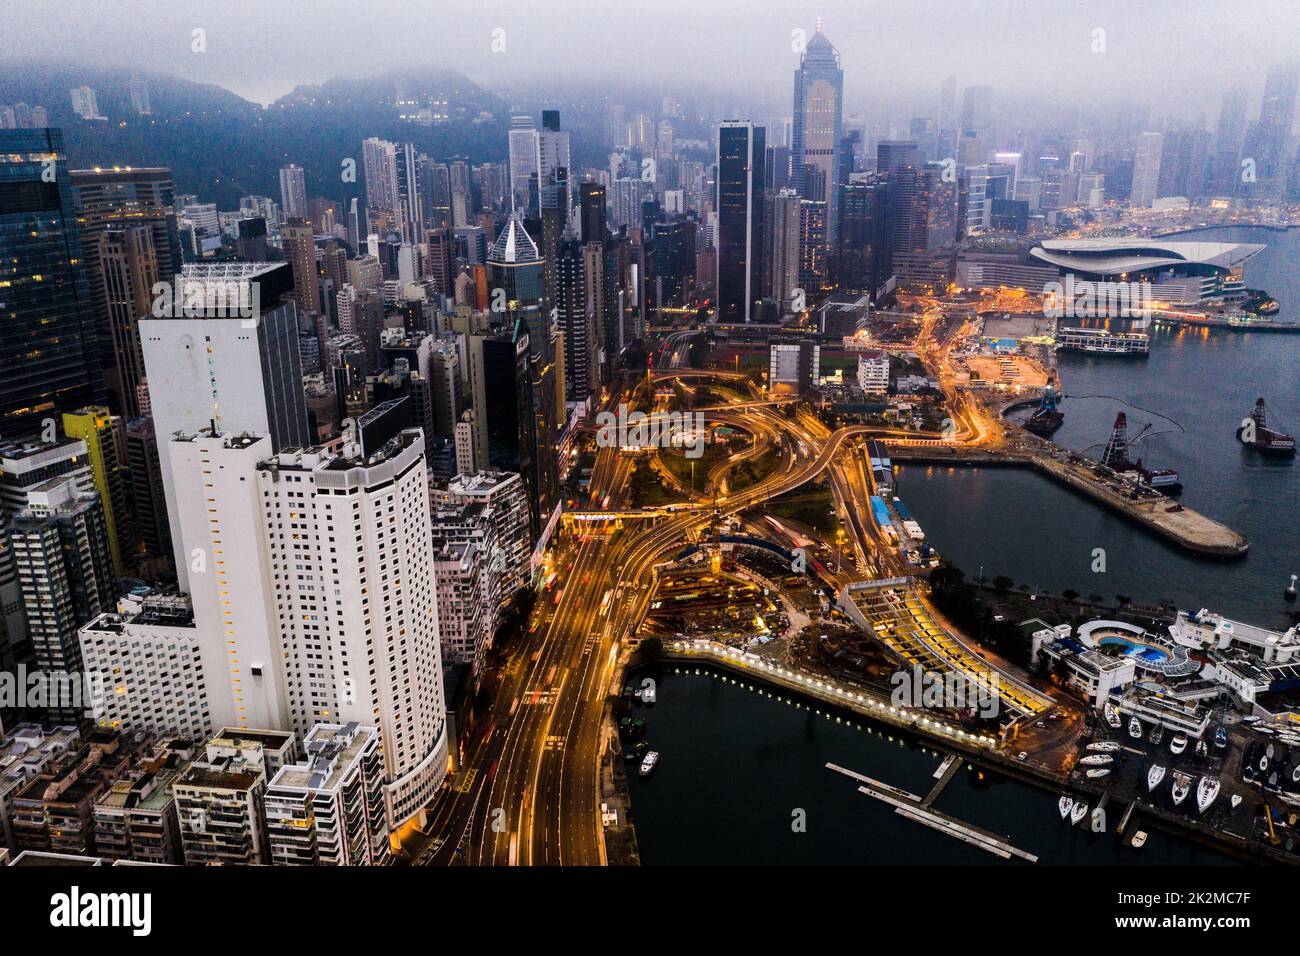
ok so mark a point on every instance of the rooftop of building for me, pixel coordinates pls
(332, 749)
(1137, 254)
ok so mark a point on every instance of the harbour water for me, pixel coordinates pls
(1194, 389)
(742, 764)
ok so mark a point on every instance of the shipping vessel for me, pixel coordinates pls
(1164, 480)
(1047, 419)
(1255, 432)
(1103, 342)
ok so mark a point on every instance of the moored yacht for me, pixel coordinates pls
(1079, 812)
(1220, 736)
(1206, 791)
(1236, 800)
(1111, 714)
(1182, 786)
(1139, 839)
(1104, 746)
(1178, 744)
(1154, 776)
(1096, 760)
(1066, 804)
(1096, 772)
(649, 763)
(1135, 728)
(1157, 734)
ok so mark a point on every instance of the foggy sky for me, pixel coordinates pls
(1177, 56)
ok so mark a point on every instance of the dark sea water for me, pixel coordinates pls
(739, 761)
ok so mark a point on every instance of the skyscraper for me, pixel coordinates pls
(522, 145)
(48, 358)
(818, 108)
(781, 270)
(129, 243)
(740, 179)
(1146, 169)
(293, 192)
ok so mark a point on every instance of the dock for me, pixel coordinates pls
(912, 807)
(1184, 527)
(947, 770)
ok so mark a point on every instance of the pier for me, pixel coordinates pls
(912, 807)
(1184, 527)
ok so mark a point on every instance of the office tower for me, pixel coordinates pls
(895, 155)
(329, 810)
(148, 501)
(223, 369)
(1184, 154)
(976, 125)
(25, 464)
(129, 243)
(95, 427)
(784, 217)
(625, 208)
(948, 120)
(1146, 169)
(293, 192)
(65, 571)
(591, 213)
(516, 273)
(818, 108)
(140, 97)
(552, 146)
(220, 797)
(574, 320)
(409, 210)
(523, 158)
(674, 261)
(1269, 139)
(48, 360)
(85, 104)
(814, 267)
(740, 178)
(300, 251)
(1225, 171)
(505, 435)
(863, 260)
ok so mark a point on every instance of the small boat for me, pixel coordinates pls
(1182, 786)
(1111, 715)
(1066, 804)
(1158, 734)
(1272, 781)
(1250, 720)
(1236, 800)
(1154, 776)
(1079, 812)
(1097, 760)
(648, 694)
(1135, 728)
(1201, 749)
(1295, 774)
(1104, 746)
(1268, 751)
(1178, 744)
(1139, 839)
(1098, 773)
(1206, 791)
(1263, 763)
(649, 763)
(1220, 737)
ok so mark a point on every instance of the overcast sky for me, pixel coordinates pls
(1176, 55)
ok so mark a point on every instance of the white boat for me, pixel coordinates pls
(1269, 751)
(1250, 720)
(650, 761)
(648, 694)
(1066, 804)
(1178, 744)
(1182, 786)
(1104, 746)
(1157, 734)
(1139, 839)
(1154, 776)
(1236, 800)
(1111, 714)
(1097, 760)
(1202, 749)
(1079, 812)
(1263, 764)
(1295, 774)
(1096, 774)
(1135, 728)
(1206, 791)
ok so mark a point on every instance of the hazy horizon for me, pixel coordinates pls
(1176, 56)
